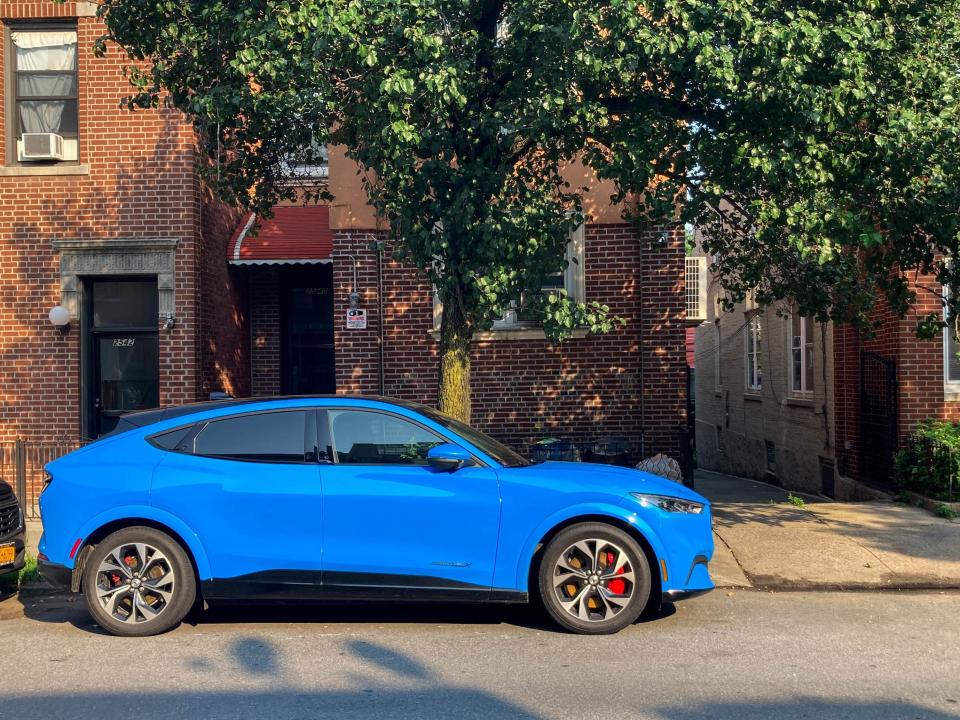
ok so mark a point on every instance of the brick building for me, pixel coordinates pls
(814, 406)
(172, 296)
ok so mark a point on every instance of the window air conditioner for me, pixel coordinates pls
(41, 146)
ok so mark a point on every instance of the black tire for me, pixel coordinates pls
(157, 610)
(606, 611)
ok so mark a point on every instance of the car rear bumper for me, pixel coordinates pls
(59, 576)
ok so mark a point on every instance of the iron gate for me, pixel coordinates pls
(21, 465)
(878, 418)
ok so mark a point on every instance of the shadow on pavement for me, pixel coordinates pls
(799, 709)
(59, 609)
(433, 699)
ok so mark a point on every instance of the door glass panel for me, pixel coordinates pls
(125, 303)
(264, 437)
(371, 438)
(128, 372)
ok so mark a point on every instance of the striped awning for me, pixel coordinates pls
(293, 236)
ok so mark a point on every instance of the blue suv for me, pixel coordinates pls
(356, 498)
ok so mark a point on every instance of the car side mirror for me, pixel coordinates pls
(448, 457)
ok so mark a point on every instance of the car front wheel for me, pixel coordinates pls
(138, 582)
(594, 579)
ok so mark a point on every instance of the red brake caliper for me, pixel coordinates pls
(617, 587)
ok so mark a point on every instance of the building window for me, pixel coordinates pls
(312, 164)
(696, 288)
(571, 280)
(951, 352)
(801, 354)
(44, 89)
(753, 345)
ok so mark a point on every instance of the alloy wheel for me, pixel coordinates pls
(594, 580)
(135, 583)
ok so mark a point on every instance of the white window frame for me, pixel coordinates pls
(806, 344)
(299, 172)
(696, 281)
(753, 381)
(574, 281)
(952, 386)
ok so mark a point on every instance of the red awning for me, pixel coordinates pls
(294, 235)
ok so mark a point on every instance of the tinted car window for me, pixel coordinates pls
(263, 437)
(370, 438)
(170, 440)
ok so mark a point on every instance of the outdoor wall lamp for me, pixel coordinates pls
(60, 318)
(354, 296)
(169, 321)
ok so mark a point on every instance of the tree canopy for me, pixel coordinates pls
(815, 142)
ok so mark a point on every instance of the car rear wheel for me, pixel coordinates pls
(137, 582)
(594, 579)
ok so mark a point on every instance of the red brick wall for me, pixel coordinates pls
(141, 183)
(920, 374)
(264, 300)
(524, 390)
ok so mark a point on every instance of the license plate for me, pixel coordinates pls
(8, 553)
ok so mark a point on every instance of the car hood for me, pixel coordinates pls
(615, 479)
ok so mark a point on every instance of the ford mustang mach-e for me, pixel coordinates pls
(314, 498)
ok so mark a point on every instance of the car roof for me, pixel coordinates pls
(141, 418)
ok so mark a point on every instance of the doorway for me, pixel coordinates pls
(121, 350)
(306, 331)
(878, 419)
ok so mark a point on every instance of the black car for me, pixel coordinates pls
(11, 531)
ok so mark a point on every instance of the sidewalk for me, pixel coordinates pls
(764, 542)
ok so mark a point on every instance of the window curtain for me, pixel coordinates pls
(47, 53)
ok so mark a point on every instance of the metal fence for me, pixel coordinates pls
(21, 465)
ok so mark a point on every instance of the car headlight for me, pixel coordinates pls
(669, 504)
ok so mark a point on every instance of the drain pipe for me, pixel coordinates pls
(380, 332)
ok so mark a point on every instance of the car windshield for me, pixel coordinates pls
(495, 449)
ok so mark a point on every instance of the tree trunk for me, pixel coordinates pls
(454, 393)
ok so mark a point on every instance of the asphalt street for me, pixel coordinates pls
(742, 654)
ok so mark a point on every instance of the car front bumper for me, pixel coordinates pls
(672, 596)
(59, 576)
(19, 555)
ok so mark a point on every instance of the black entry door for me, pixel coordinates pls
(307, 347)
(123, 350)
